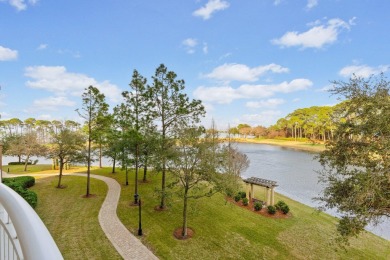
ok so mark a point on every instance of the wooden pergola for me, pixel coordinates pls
(268, 184)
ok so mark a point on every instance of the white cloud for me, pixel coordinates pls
(20, 5)
(316, 37)
(241, 72)
(264, 118)
(52, 103)
(42, 46)
(311, 4)
(272, 102)
(58, 80)
(7, 54)
(212, 6)
(190, 44)
(363, 71)
(227, 94)
(205, 48)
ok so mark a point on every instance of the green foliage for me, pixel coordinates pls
(285, 209)
(279, 204)
(237, 197)
(20, 185)
(258, 206)
(242, 194)
(245, 201)
(19, 163)
(355, 164)
(271, 209)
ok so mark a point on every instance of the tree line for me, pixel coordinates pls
(316, 123)
(156, 125)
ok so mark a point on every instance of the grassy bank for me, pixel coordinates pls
(222, 230)
(304, 145)
(73, 220)
(40, 169)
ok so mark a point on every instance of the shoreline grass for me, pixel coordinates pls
(298, 145)
(222, 230)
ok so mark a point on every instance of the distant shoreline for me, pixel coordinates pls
(303, 146)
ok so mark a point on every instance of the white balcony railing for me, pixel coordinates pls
(22, 233)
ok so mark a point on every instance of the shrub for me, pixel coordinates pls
(271, 210)
(237, 198)
(19, 163)
(258, 205)
(242, 194)
(20, 185)
(280, 204)
(245, 201)
(229, 193)
(23, 181)
(285, 209)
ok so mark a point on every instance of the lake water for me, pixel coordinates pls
(295, 173)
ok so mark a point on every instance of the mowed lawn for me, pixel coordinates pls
(222, 230)
(73, 220)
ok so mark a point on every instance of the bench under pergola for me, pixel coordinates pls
(268, 184)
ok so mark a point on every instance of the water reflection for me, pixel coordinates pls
(296, 173)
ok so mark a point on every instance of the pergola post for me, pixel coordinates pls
(268, 196)
(247, 191)
(252, 194)
(272, 196)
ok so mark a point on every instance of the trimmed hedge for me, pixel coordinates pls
(258, 206)
(282, 206)
(19, 163)
(20, 185)
(271, 210)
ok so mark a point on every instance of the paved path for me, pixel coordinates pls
(127, 245)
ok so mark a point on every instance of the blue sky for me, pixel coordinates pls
(250, 61)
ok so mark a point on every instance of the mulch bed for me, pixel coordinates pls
(263, 211)
(90, 196)
(177, 233)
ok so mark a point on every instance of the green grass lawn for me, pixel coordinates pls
(73, 220)
(19, 169)
(225, 231)
(222, 230)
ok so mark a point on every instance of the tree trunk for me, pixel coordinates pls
(60, 175)
(26, 162)
(100, 155)
(162, 204)
(89, 166)
(145, 169)
(136, 174)
(184, 231)
(127, 175)
(113, 165)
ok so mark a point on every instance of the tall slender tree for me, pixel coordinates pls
(139, 106)
(172, 108)
(94, 110)
(357, 162)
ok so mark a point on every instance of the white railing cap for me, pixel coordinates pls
(35, 240)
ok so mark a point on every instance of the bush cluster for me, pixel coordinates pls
(282, 206)
(240, 195)
(245, 201)
(19, 163)
(258, 206)
(20, 185)
(271, 210)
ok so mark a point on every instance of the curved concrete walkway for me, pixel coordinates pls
(127, 245)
